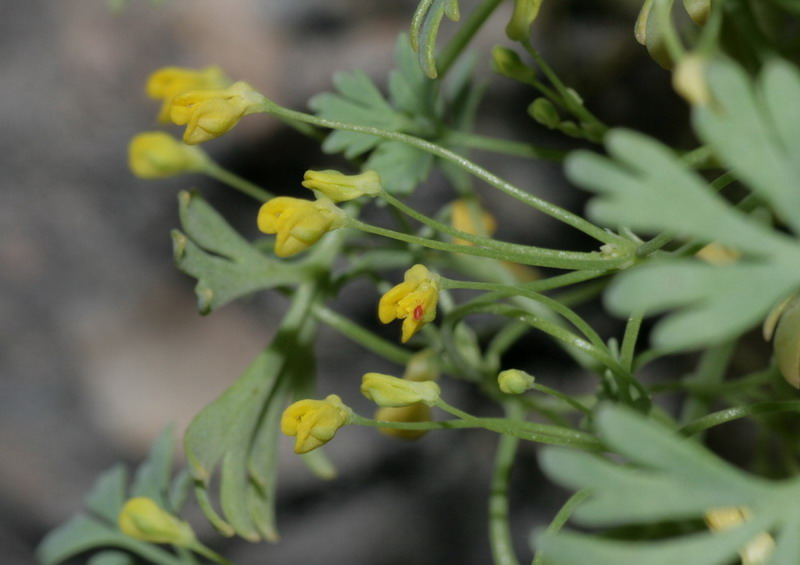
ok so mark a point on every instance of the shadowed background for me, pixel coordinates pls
(101, 345)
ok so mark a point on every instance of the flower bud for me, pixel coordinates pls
(689, 80)
(698, 10)
(525, 12)
(417, 412)
(314, 422)
(507, 63)
(413, 301)
(543, 111)
(207, 114)
(168, 82)
(786, 342)
(340, 187)
(758, 550)
(514, 381)
(155, 155)
(143, 519)
(471, 219)
(298, 223)
(385, 390)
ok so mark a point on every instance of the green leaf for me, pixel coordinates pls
(112, 558)
(400, 166)
(663, 476)
(710, 303)
(410, 91)
(225, 265)
(754, 129)
(237, 431)
(153, 476)
(425, 28)
(108, 493)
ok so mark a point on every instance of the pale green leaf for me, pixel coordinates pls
(425, 28)
(153, 476)
(108, 494)
(400, 166)
(225, 265)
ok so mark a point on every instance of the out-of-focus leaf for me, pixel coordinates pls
(153, 476)
(112, 558)
(108, 493)
(664, 477)
(225, 265)
(754, 130)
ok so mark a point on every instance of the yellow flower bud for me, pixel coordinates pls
(168, 82)
(757, 551)
(298, 223)
(314, 422)
(718, 254)
(525, 12)
(207, 114)
(471, 219)
(143, 519)
(413, 301)
(417, 412)
(385, 390)
(689, 80)
(340, 187)
(155, 155)
(514, 381)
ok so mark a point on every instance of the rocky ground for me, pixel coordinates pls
(100, 342)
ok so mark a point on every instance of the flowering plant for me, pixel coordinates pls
(705, 237)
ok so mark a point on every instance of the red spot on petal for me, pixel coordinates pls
(418, 312)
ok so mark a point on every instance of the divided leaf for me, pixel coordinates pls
(225, 265)
(667, 477)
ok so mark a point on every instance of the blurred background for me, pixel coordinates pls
(101, 345)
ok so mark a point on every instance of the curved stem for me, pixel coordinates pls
(499, 520)
(737, 412)
(479, 172)
(561, 519)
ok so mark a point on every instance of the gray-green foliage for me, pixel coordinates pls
(664, 477)
(645, 186)
(96, 528)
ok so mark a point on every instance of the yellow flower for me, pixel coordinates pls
(143, 519)
(417, 412)
(689, 80)
(340, 187)
(298, 223)
(413, 301)
(514, 381)
(470, 219)
(758, 550)
(385, 390)
(155, 155)
(207, 114)
(314, 422)
(168, 82)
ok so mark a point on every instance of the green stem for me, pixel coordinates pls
(672, 42)
(504, 146)
(362, 336)
(629, 341)
(499, 520)
(521, 290)
(536, 256)
(200, 549)
(563, 397)
(737, 412)
(491, 179)
(561, 519)
(234, 181)
(464, 35)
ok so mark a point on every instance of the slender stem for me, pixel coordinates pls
(629, 340)
(499, 521)
(561, 519)
(479, 172)
(561, 396)
(520, 290)
(533, 256)
(362, 336)
(464, 35)
(737, 412)
(672, 42)
(234, 181)
(504, 146)
(200, 549)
